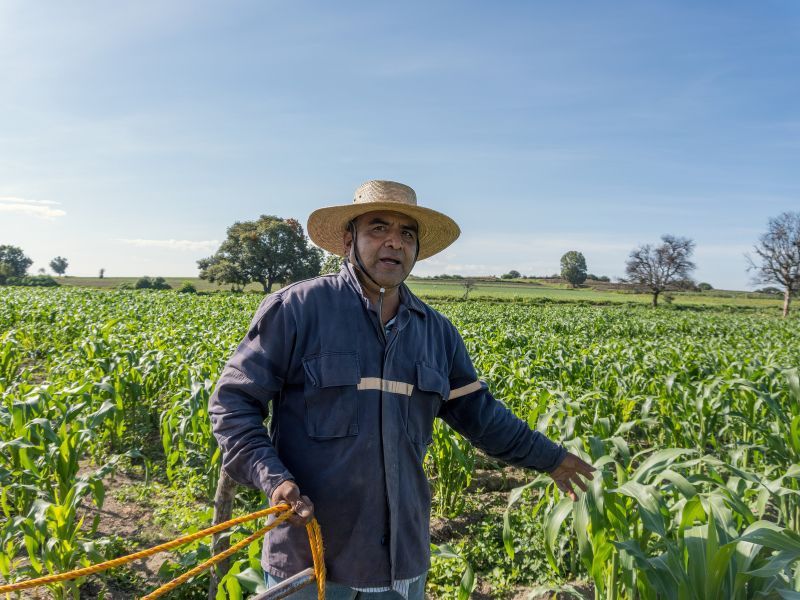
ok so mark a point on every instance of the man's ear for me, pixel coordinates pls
(347, 241)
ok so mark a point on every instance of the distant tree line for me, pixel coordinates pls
(274, 250)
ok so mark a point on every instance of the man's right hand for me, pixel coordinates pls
(288, 493)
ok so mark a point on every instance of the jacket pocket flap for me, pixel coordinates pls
(332, 369)
(431, 380)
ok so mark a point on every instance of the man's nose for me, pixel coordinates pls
(393, 240)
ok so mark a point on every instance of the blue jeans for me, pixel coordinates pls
(334, 591)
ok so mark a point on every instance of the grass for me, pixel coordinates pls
(112, 283)
(536, 290)
(494, 290)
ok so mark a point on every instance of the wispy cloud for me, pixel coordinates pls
(187, 245)
(42, 209)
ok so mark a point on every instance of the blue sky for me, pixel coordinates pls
(132, 134)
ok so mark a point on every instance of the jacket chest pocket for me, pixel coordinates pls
(431, 390)
(331, 395)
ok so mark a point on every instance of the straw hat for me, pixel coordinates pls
(326, 226)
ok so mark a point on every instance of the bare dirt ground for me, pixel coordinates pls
(132, 522)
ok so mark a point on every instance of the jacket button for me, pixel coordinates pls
(383, 540)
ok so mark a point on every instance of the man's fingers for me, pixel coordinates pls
(302, 507)
(303, 510)
(581, 466)
(565, 486)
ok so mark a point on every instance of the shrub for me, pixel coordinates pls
(125, 285)
(159, 283)
(156, 283)
(32, 281)
(704, 287)
(144, 283)
(187, 287)
(770, 290)
(512, 274)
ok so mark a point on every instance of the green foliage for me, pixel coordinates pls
(32, 281)
(692, 418)
(770, 290)
(511, 275)
(331, 264)
(59, 265)
(269, 250)
(13, 262)
(573, 268)
(704, 287)
(449, 465)
(187, 287)
(147, 283)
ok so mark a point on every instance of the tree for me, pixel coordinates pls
(269, 250)
(102, 273)
(59, 265)
(332, 263)
(573, 267)
(157, 283)
(468, 285)
(512, 274)
(778, 251)
(658, 268)
(13, 262)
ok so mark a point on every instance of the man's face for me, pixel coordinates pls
(387, 246)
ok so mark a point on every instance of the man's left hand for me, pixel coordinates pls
(572, 471)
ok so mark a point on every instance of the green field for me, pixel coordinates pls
(484, 290)
(692, 419)
(496, 290)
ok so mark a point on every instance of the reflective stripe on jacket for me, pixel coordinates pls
(352, 416)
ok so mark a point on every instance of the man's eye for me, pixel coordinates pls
(409, 235)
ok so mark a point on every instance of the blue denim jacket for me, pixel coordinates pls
(352, 416)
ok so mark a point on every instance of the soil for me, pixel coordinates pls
(131, 522)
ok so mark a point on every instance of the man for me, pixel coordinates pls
(355, 369)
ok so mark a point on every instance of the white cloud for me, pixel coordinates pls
(187, 245)
(42, 209)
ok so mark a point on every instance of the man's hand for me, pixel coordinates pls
(569, 472)
(288, 492)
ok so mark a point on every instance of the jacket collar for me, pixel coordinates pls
(407, 298)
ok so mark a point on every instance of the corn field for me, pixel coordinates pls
(692, 419)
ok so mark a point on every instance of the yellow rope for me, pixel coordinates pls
(215, 559)
(314, 538)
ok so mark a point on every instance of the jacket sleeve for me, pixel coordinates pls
(251, 379)
(474, 413)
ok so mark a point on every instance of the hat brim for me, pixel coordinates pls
(326, 226)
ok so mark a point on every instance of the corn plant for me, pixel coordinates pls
(449, 465)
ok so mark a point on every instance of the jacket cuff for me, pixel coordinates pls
(269, 477)
(559, 455)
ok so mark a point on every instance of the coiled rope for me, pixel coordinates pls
(314, 540)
